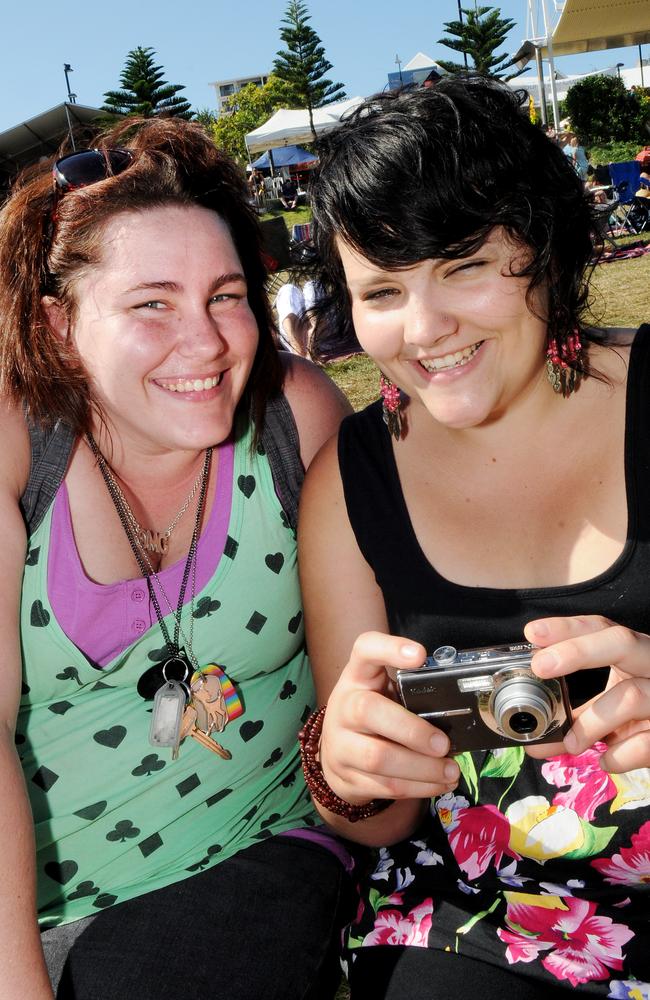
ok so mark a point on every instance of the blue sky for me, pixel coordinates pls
(197, 41)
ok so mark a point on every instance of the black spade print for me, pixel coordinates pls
(288, 689)
(205, 607)
(32, 556)
(104, 899)
(38, 616)
(289, 780)
(69, 674)
(261, 450)
(110, 737)
(285, 520)
(148, 765)
(61, 871)
(249, 730)
(247, 485)
(93, 811)
(276, 755)
(274, 561)
(84, 889)
(294, 623)
(124, 830)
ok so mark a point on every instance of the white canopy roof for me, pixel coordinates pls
(594, 25)
(288, 126)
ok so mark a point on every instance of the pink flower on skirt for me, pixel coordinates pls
(479, 839)
(589, 785)
(581, 946)
(631, 866)
(394, 927)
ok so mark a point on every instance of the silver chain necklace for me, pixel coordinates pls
(148, 539)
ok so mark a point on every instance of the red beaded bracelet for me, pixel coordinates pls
(309, 742)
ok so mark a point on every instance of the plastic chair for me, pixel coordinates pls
(625, 178)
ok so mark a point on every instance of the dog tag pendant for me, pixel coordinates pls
(168, 707)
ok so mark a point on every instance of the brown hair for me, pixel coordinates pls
(175, 163)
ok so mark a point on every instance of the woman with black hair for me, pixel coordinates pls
(498, 493)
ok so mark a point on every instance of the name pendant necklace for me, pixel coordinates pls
(207, 702)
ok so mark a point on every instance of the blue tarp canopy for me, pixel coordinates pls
(285, 156)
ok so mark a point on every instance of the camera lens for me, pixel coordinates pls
(523, 708)
(523, 723)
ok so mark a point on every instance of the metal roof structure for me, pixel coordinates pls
(41, 136)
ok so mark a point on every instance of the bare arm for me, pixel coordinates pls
(22, 967)
(318, 405)
(371, 746)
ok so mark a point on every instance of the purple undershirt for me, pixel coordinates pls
(102, 620)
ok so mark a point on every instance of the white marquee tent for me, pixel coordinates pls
(287, 126)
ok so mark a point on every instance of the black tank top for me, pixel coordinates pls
(423, 605)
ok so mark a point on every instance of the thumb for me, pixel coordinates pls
(375, 653)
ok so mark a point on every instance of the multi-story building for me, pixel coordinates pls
(226, 88)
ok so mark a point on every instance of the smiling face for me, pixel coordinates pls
(456, 335)
(163, 327)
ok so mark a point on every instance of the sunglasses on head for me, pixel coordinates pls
(79, 170)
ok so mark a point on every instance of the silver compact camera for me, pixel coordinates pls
(487, 698)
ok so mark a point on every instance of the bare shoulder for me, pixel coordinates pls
(15, 455)
(318, 405)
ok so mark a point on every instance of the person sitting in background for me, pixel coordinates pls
(498, 492)
(295, 310)
(289, 193)
(153, 442)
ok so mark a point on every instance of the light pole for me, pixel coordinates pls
(641, 65)
(398, 63)
(67, 68)
(618, 69)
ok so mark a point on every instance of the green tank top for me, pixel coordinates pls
(115, 818)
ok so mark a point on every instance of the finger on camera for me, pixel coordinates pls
(616, 646)
(547, 631)
(373, 652)
(628, 754)
(628, 701)
(373, 713)
(376, 756)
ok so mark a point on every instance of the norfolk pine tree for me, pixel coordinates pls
(479, 35)
(302, 65)
(144, 91)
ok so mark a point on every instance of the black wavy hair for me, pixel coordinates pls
(429, 173)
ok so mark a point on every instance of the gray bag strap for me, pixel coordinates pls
(282, 446)
(51, 450)
(52, 447)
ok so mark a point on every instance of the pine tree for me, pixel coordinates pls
(479, 36)
(144, 91)
(302, 65)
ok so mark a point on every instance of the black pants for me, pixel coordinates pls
(387, 972)
(263, 925)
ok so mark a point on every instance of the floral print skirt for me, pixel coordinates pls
(538, 866)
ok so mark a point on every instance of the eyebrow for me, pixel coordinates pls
(174, 286)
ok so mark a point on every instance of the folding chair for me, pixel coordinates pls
(625, 178)
(301, 232)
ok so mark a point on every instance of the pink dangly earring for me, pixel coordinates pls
(560, 362)
(391, 404)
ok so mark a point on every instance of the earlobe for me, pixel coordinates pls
(56, 316)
